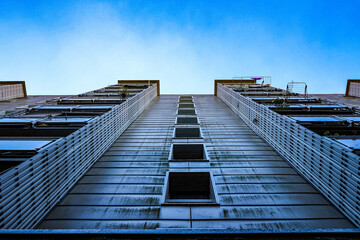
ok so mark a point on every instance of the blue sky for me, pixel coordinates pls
(69, 47)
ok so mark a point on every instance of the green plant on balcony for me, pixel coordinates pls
(124, 92)
(280, 101)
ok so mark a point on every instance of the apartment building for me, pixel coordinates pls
(126, 160)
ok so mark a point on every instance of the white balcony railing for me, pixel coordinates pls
(30, 190)
(332, 168)
(354, 89)
(11, 91)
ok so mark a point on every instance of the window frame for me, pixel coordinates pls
(212, 201)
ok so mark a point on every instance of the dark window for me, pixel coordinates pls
(7, 164)
(186, 105)
(194, 188)
(185, 97)
(187, 133)
(187, 120)
(188, 186)
(186, 152)
(187, 112)
(189, 100)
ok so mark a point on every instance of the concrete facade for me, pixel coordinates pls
(255, 188)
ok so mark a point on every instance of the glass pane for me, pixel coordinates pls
(315, 119)
(354, 144)
(20, 145)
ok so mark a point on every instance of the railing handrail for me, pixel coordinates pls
(331, 167)
(30, 190)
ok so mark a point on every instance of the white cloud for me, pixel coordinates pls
(98, 46)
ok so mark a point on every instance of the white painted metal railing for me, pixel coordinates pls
(297, 87)
(354, 89)
(30, 190)
(332, 168)
(11, 91)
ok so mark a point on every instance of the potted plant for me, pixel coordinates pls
(124, 92)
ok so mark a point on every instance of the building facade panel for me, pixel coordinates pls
(252, 186)
(11, 90)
